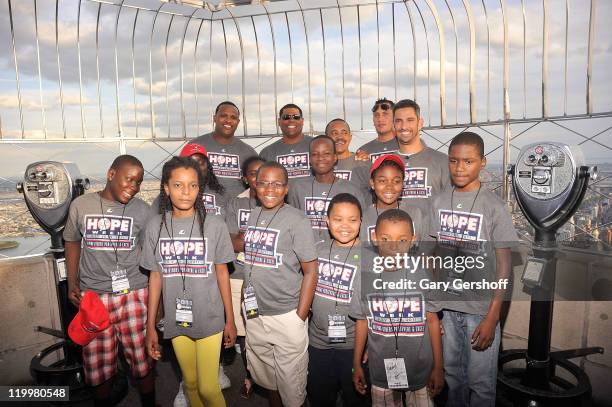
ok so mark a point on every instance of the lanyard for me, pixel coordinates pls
(453, 212)
(115, 249)
(171, 234)
(343, 265)
(265, 230)
(395, 332)
(317, 217)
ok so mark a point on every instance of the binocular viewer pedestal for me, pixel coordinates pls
(549, 182)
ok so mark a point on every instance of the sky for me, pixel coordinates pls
(338, 72)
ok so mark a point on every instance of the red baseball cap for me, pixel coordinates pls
(191, 149)
(90, 321)
(387, 157)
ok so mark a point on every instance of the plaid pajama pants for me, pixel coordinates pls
(128, 317)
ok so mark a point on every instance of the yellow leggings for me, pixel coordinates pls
(199, 361)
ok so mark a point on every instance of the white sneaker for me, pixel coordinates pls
(181, 400)
(224, 381)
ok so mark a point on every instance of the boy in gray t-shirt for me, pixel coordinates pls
(398, 319)
(313, 194)
(103, 248)
(469, 221)
(280, 278)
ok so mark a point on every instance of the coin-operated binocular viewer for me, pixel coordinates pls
(48, 189)
(549, 182)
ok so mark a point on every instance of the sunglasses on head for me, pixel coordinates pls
(291, 116)
(383, 106)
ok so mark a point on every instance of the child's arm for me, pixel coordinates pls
(361, 337)
(155, 288)
(485, 331)
(237, 241)
(73, 254)
(223, 281)
(436, 378)
(309, 283)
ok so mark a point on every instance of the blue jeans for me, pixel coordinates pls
(471, 375)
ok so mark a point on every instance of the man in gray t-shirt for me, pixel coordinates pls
(426, 169)
(226, 153)
(291, 151)
(385, 142)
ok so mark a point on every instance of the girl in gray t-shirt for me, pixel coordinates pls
(186, 252)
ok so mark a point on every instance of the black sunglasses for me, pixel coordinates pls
(291, 116)
(384, 106)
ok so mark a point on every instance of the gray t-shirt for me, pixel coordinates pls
(470, 224)
(390, 312)
(177, 255)
(339, 272)
(356, 172)
(370, 216)
(377, 148)
(275, 242)
(294, 157)
(426, 175)
(313, 198)
(107, 234)
(226, 160)
(236, 218)
(214, 203)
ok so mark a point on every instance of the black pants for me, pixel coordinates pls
(329, 371)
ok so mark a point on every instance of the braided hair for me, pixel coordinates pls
(210, 179)
(165, 204)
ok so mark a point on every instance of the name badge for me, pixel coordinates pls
(251, 309)
(119, 281)
(184, 312)
(395, 368)
(336, 328)
(240, 258)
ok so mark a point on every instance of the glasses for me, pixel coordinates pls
(273, 185)
(383, 106)
(291, 116)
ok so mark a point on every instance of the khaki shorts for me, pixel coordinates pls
(277, 355)
(236, 285)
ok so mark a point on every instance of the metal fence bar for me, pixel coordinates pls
(450, 10)
(134, 72)
(311, 128)
(119, 128)
(59, 71)
(42, 102)
(195, 76)
(441, 40)
(151, 106)
(274, 54)
(258, 77)
(182, 74)
(545, 59)
(166, 73)
(83, 127)
(342, 56)
(324, 66)
(226, 60)
(290, 55)
(589, 92)
(470, 17)
(414, 53)
(360, 72)
(17, 80)
(428, 64)
(99, 88)
(243, 79)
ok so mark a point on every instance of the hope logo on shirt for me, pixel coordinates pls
(297, 164)
(415, 183)
(225, 165)
(260, 245)
(460, 228)
(210, 204)
(108, 232)
(335, 280)
(374, 156)
(343, 174)
(243, 218)
(396, 314)
(315, 209)
(183, 256)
